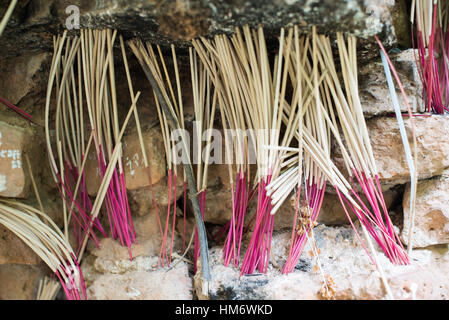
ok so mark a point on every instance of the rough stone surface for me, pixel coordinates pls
(93, 177)
(148, 238)
(33, 21)
(218, 206)
(23, 75)
(433, 148)
(342, 259)
(374, 93)
(14, 142)
(431, 213)
(401, 23)
(135, 171)
(13, 250)
(141, 200)
(51, 202)
(147, 284)
(112, 250)
(19, 282)
(110, 278)
(111, 275)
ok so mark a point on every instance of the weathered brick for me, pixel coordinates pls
(14, 141)
(432, 147)
(133, 164)
(19, 282)
(135, 172)
(13, 250)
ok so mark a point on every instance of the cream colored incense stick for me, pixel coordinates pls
(7, 15)
(47, 241)
(48, 289)
(33, 183)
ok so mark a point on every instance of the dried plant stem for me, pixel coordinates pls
(204, 112)
(411, 159)
(173, 121)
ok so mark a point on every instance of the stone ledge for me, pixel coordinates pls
(179, 21)
(137, 280)
(343, 260)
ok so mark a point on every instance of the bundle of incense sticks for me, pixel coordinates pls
(306, 113)
(99, 83)
(430, 25)
(216, 55)
(251, 95)
(43, 236)
(311, 144)
(358, 155)
(163, 257)
(72, 150)
(341, 102)
(264, 115)
(84, 80)
(158, 68)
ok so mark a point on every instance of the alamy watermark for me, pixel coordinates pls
(73, 20)
(212, 146)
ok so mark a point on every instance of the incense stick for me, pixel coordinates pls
(41, 234)
(48, 289)
(7, 15)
